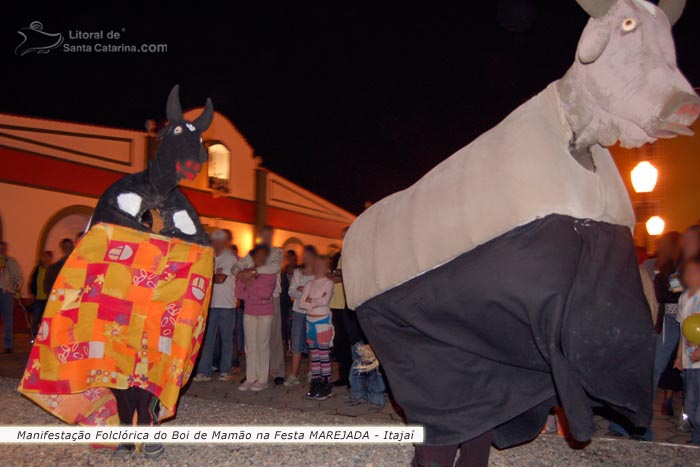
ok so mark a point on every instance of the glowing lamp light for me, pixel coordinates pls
(655, 225)
(644, 177)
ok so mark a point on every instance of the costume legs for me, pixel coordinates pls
(140, 401)
(472, 453)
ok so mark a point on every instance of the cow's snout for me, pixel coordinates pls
(679, 112)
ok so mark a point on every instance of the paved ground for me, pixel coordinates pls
(665, 428)
(546, 451)
(222, 403)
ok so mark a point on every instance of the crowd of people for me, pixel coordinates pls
(39, 286)
(270, 303)
(275, 306)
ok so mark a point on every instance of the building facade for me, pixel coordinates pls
(54, 172)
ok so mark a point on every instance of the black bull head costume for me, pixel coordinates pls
(126, 314)
(505, 282)
(180, 155)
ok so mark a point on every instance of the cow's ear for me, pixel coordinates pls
(593, 41)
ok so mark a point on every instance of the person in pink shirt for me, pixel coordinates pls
(315, 301)
(256, 291)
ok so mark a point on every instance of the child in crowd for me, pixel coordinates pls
(319, 328)
(688, 358)
(300, 277)
(256, 291)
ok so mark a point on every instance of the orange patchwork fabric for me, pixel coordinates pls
(128, 309)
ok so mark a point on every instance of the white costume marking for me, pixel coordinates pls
(183, 222)
(190, 127)
(130, 203)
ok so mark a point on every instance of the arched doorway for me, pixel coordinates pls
(65, 223)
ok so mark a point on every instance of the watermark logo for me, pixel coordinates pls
(78, 41)
(36, 40)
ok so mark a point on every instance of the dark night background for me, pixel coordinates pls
(351, 100)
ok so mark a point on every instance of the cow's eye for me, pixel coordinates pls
(177, 130)
(629, 24)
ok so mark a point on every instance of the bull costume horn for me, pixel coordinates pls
(173, 109)
(596, 8)
(204, 120)
(673, 9)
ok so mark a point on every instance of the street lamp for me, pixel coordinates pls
(655, 225)
(644, 176)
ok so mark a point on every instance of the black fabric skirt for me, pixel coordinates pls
(550, 313)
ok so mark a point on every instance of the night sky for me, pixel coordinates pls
(350, 100)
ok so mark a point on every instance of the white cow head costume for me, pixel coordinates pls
(624, 86)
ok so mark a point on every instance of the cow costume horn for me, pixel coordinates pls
(204, 120)
(596, 8)
(673, 9)
(173, 109)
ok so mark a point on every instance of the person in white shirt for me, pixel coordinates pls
(244, 270)
(221, 310)
(300, 277)
(688, 358)
(10, 285)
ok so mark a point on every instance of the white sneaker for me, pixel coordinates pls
(259, 386)
(246, 386)
(292, 381)
(225, 377)
(201, 378)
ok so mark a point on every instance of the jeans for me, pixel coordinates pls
(275, 343)
(7, 305)
(369, 385)
(220, 319)
(36, 310)
(239, 341)
(691, 403)
(299, 344)
(666, 343)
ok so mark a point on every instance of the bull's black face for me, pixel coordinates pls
(181, 154)
(184, 145)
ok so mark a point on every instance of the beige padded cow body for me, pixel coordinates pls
(519, 171)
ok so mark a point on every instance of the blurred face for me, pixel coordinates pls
(46, 259)
(690, 243)
(266, 236)
(67, 247)
(219, 244)
(309, 257)
(666, 248)
(220, 241)
(291, 257)
(691, 276)
(321, 267)
(260, 258)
